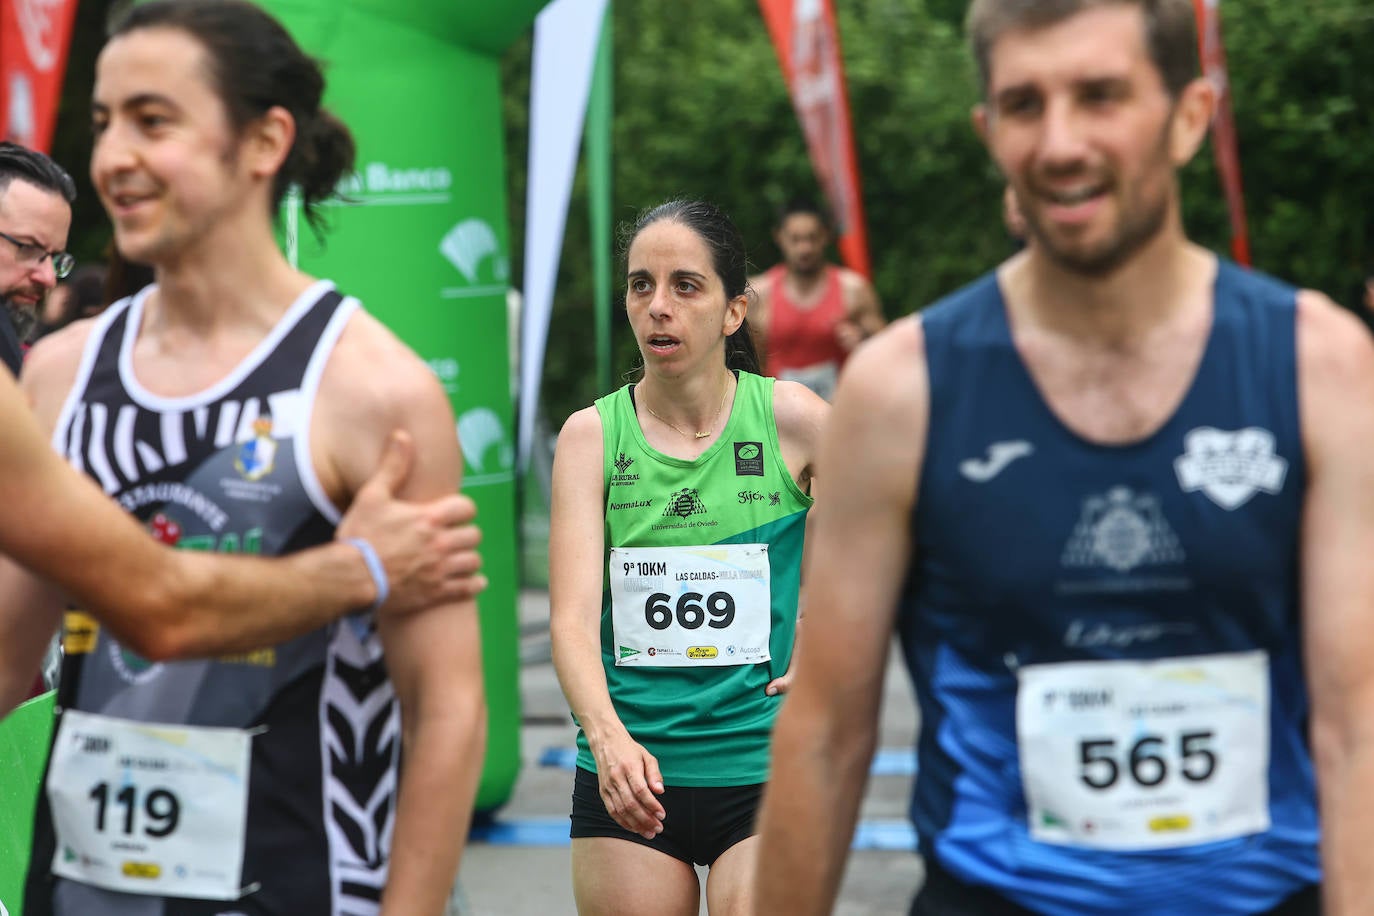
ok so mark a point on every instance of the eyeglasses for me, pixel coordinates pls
(29, 253)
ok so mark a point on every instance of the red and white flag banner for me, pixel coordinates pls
(807, 40)
(1225, 144)
(34, 36)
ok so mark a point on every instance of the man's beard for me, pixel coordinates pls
(22, 318)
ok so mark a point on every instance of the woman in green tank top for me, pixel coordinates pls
(679, 509)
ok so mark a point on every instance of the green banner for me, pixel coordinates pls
(24, 736)
(423, 242)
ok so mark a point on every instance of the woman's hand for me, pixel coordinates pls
(629, 780)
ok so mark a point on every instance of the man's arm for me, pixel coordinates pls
(825, 734)
(863, 311)
(1336, 403)
(164, 603)
(434, 659)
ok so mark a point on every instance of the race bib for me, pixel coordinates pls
(149, 809)
(690, 606)
(1130, 755)
(820, 378)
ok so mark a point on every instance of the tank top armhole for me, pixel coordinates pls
(765, 387)
(89, 352)
(608, 411)
(310, 386)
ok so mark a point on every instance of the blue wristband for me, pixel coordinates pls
(375, 568)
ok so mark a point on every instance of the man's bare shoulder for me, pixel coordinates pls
(373, 384)
(761, 284)
(894, 357)
(855, 284)
(373, 369)
(1333, 345)
(51, 365)
(852, 279)
(884, 387)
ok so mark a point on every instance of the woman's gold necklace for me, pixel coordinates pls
(704, 433)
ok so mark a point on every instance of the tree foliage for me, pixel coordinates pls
(701, 110)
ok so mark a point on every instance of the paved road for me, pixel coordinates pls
(525, 868)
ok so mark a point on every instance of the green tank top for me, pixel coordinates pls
(702, 577)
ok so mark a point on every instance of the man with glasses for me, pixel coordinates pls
(36, 196)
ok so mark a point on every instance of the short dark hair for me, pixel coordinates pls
(1170, 31)
(806, 206)
(24, 164)
(255, 64)
(723, 239)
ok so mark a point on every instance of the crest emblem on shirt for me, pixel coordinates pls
(1230, 467)
(1122, 530)
(258, 455)
(684, 504)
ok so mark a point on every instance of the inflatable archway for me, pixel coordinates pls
(423, 243)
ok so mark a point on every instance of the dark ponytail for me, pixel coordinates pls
(322, 156)
(740, 352)
(255, 64)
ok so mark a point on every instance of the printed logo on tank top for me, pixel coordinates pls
(681, 510)
(131, 667)
(255, 463)
(257, 457)
(632, 504)
(1230, 467)
(620, 478)
(748, 459)
(1125, 534)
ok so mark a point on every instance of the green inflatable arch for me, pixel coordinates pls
(423, 242)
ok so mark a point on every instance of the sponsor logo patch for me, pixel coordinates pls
(748, 459)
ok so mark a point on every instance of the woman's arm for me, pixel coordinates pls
(628, 774)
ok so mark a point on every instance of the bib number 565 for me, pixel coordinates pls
(1145, 760)
(690, 612)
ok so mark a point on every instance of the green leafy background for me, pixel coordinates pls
(701, 110)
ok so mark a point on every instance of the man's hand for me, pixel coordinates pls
(429, 550)
(848, 334)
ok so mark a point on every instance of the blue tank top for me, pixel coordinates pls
(1041, 553)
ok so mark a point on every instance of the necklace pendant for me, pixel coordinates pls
(703, 435)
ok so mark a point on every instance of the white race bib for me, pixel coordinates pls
(1145, 755)
(820, 378)
(688, 606)
(149, 809)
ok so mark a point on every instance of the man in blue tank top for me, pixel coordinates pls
(1115, 500)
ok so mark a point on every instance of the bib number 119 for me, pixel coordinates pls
(161, 810)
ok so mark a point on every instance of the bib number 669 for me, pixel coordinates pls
(690, 611)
